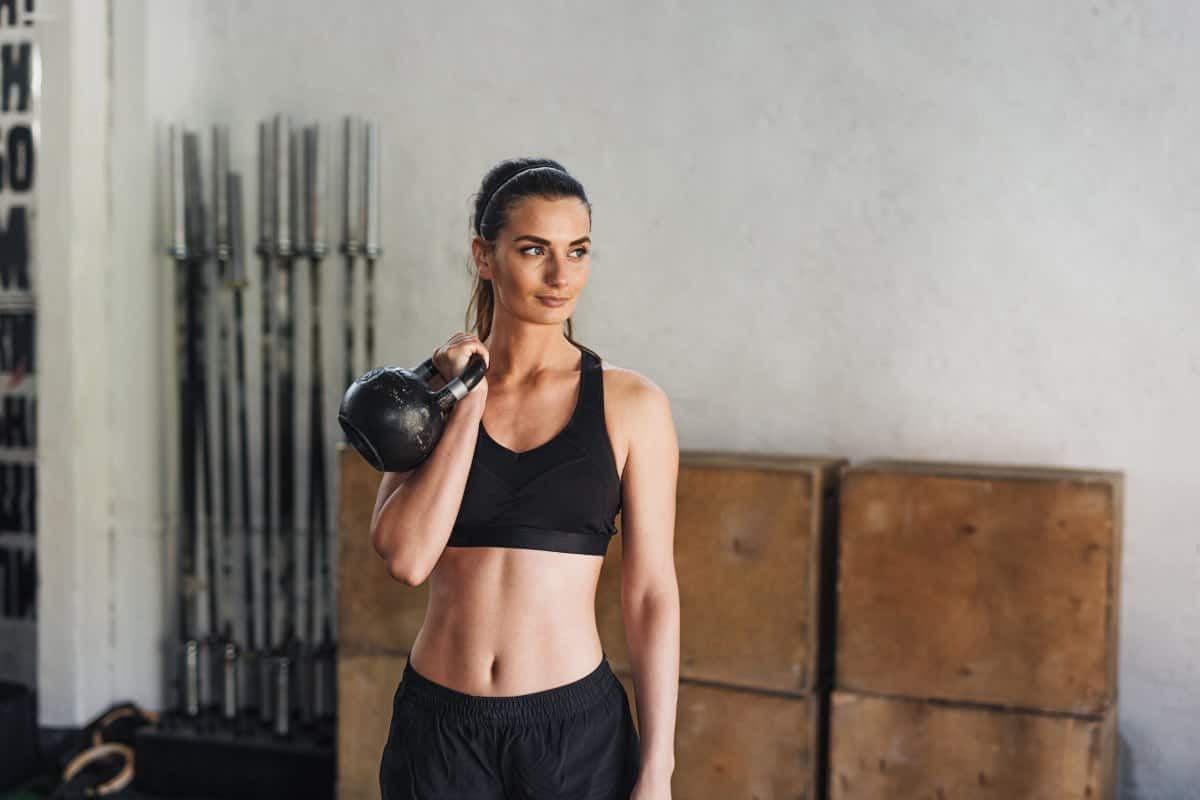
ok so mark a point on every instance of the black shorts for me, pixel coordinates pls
(572, 742)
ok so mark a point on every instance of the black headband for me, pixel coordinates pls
(510, 179)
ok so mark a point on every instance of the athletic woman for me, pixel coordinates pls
(507, 692)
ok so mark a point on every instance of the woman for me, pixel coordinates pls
(507, 692)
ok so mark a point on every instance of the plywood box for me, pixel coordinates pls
(740, 744)
(375, 611)
(378, 619)
(989, 584)
(884, 747)
(366, 687)
(751, 533)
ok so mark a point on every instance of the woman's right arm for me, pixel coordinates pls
(415, 510)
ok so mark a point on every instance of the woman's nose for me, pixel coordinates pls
(558, 268)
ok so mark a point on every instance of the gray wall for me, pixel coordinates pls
(932, 230)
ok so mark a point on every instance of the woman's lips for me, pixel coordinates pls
(551, 301)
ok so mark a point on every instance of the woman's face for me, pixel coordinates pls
(541, 254)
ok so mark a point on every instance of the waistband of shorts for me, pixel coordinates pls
(556, 703)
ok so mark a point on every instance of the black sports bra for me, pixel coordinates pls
(562, 495)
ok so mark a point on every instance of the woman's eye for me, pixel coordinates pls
(537, 250)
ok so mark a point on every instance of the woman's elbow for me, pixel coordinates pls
(399, 567)
(404, 572)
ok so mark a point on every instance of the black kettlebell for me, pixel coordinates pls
(394, 419)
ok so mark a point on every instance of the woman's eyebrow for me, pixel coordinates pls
(540, 240)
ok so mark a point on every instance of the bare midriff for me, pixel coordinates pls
(508, 621)
(504, 621)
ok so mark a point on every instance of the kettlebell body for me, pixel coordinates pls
(392, 417)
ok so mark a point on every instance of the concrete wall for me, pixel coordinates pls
(933, 233)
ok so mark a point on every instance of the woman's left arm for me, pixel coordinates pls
(649, 590)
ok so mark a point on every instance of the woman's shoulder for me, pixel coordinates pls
(632, 392)
(638, 410)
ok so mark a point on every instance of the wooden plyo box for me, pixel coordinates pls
(375, 612)
(882, 747)
(366, 688)
(378, 619)
(752, 543)
(753, 553)
(740, 744)
(986, 584)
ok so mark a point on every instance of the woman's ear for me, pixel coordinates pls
(481, 253)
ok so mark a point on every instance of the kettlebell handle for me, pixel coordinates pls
(456, 389)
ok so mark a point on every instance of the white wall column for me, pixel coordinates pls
(76, 540)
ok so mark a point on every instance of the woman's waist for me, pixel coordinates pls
(509, 657)
(495, 627)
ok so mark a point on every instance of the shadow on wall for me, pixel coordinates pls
(1126, 782)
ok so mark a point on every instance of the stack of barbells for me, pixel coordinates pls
(256, 639)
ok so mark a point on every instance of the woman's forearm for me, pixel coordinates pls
(416, 521)
(652, 631)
